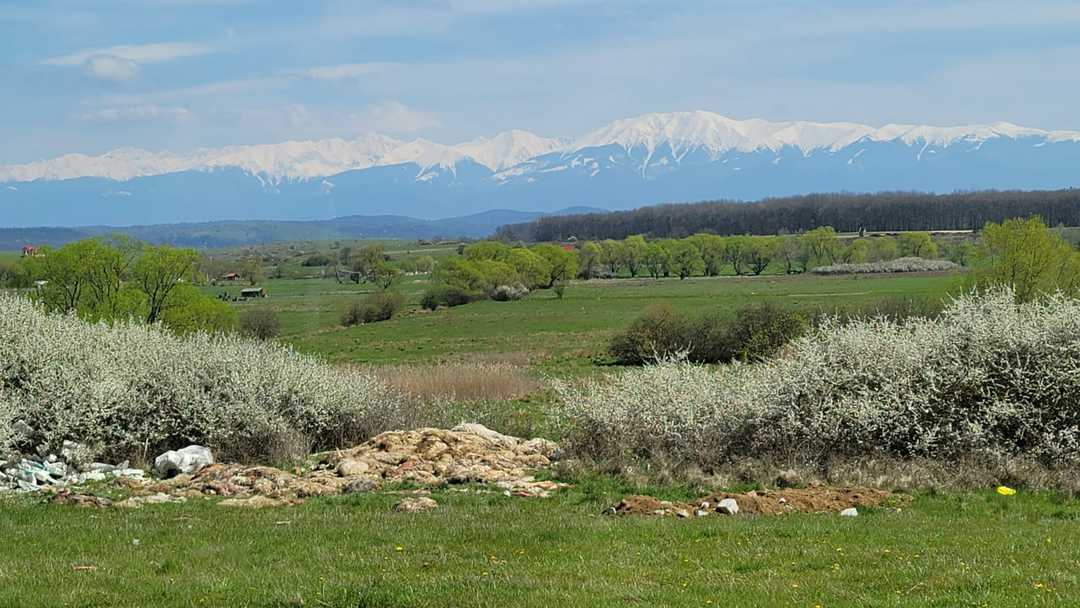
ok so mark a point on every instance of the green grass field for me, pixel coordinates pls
(483, 549)
(488, 550)
(564, 335)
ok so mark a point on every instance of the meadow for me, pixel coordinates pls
(564, 336)
(484, 549)
(951, 547)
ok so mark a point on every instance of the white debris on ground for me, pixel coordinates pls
(468, 453)
(31, 473)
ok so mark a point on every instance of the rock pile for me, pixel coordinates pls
(467, 453)
(30, 473)
(815, 499)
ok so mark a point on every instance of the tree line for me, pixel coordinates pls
(885, 211)
(117, 278)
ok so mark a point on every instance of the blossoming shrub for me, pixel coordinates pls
(909, 264)
(987, 376)
(130, 390)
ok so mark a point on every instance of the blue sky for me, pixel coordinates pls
(82, 76)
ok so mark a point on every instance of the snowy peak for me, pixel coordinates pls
(717, 134)
(518, 152)
(508, 148)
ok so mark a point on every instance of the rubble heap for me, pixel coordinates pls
(31, 473)
(468, 453)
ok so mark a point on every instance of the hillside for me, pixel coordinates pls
(236, 233)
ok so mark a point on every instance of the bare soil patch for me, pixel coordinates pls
(815, 499)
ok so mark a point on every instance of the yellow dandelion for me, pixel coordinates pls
(1005, 491)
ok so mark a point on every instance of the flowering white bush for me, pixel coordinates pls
(130, 389)
(989, 375)
(898, 265)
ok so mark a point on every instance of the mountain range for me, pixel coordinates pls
(234, 233)
(653, 158)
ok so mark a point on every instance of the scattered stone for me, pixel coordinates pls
(360, 486)
(728, 506)
(160, 498)
(255, 502)
(65, 497)
(682, 513)
(814, 499)
(700, 513)
(189, 460)
(419, 504)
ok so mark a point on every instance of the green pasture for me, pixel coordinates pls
(557, 334)
(485, 549)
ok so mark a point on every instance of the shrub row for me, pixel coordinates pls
(663, 333)
(898, 265)
(988, 376)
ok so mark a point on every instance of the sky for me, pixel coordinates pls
(90, 76)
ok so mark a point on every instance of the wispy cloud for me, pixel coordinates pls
(143, 53)
(345, 71)
(111, 67)
(142, 113)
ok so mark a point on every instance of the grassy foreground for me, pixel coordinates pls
(489, 550)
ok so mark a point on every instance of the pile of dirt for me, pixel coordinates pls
(468, 453)
(815, 499)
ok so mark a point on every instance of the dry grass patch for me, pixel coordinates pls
(481, 381)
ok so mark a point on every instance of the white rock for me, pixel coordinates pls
(849, 512)
(186, 461)
(90, 476)
(728, 506)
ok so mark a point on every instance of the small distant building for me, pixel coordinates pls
(232, 276)
(253, 292)
(29, 251)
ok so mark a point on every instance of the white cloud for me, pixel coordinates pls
(345, 71)
(111, 68)
(393, 117)
(143, 53)
(145, 113)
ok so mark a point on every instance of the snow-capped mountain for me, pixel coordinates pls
(647, 159)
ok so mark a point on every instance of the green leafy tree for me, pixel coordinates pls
(254, 271)
(917, 244)
(712, 248)
(790, 250)
(158, 272)
(532, 269)
(563, 263)
(590, 258)
(613, 255)
(684, 259)
(656, 259)
(962, 252)
(1029, 258)
(760, 253)
(822, 244)
(487, 250)
(855, 252)
(736, 252)
(883, 249)
(189, 311)
(635, 249)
